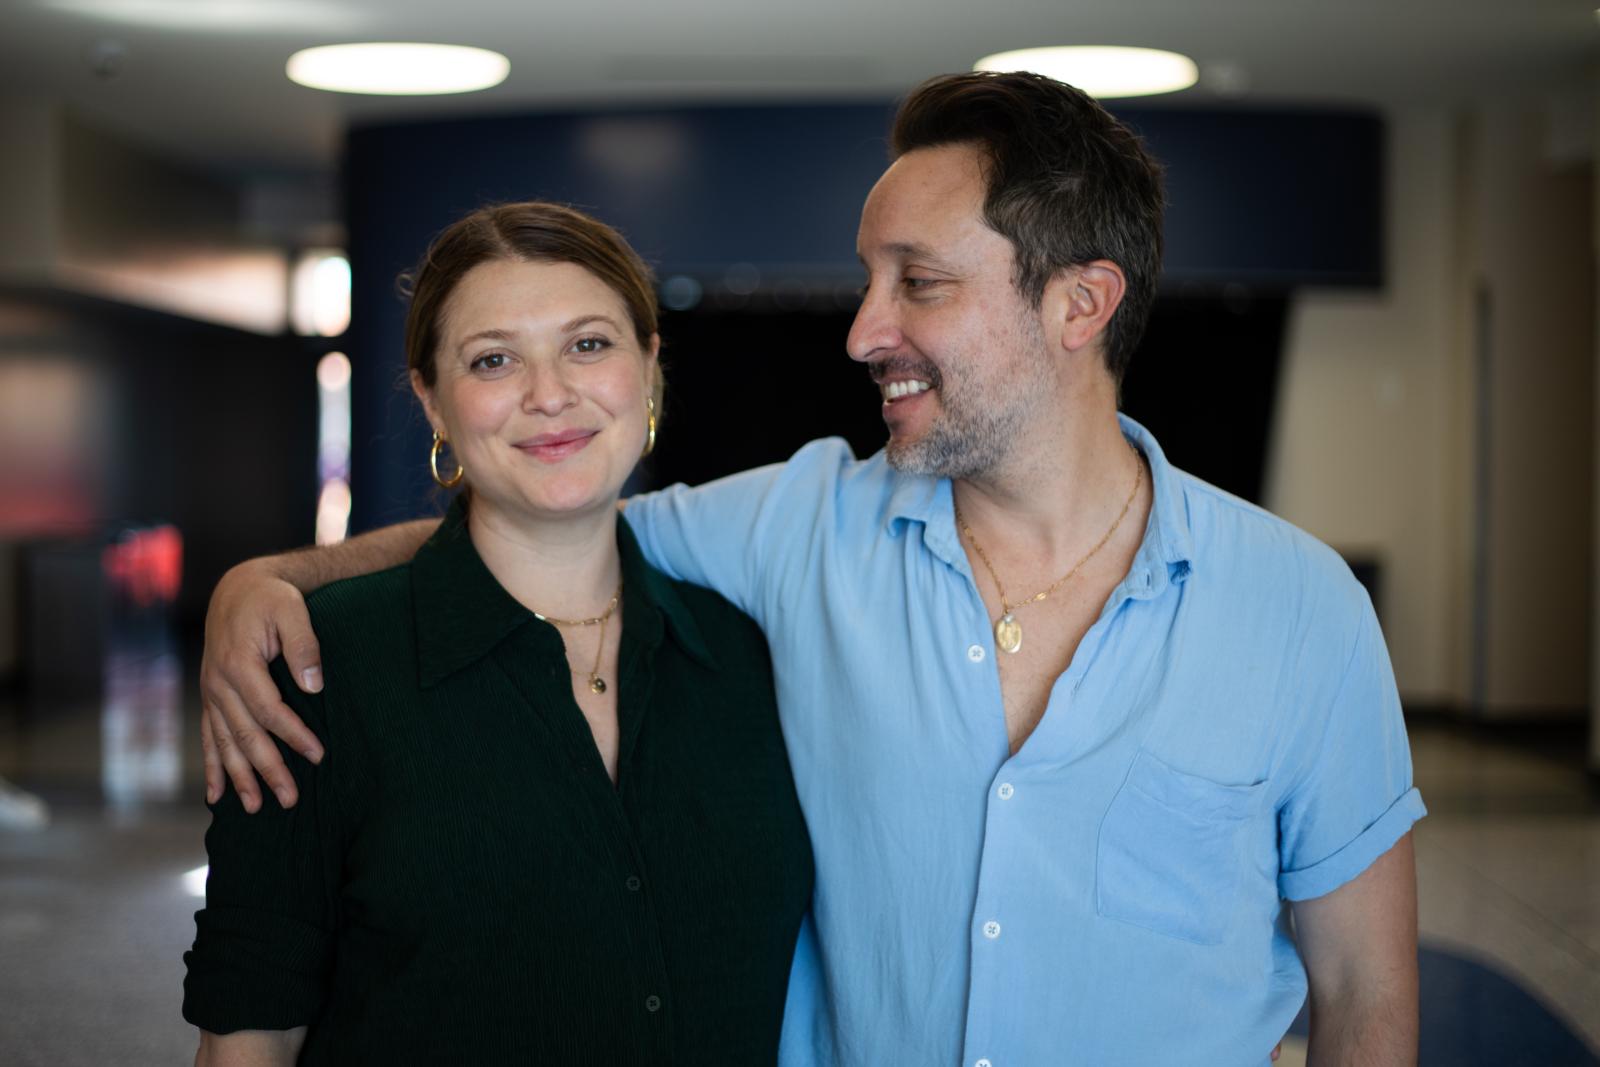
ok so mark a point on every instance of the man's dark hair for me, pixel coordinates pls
(1067, 183)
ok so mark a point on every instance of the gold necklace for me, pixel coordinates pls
(597, 684)
(1007, 630)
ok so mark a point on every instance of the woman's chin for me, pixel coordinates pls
(548, 502)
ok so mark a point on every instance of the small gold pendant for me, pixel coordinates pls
(1008, 634)
(597, 684)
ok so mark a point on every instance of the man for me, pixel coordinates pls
(1076, 735)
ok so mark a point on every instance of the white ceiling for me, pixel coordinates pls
(205, 77)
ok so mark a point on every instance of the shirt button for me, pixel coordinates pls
(652, 1003)
(1005, 791)
(633, 883)
(975, 653)
(991, 929)
(983, 1063)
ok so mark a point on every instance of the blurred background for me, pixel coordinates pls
(1377, 320)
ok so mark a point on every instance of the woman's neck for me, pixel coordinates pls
(566, 567)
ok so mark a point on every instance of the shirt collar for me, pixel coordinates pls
(1165, 555)
(929, 502)
(463, 612)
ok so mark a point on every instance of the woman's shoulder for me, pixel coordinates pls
(730, 636)
(366, 611)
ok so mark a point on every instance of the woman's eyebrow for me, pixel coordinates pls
(584, 320)
(487, 335)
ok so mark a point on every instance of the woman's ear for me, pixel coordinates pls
(425, 396)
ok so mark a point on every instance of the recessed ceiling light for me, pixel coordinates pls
(396, 69)
(1100, 70)
(218, 16)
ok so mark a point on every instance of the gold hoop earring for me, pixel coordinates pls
(650, 426)
(433, 465)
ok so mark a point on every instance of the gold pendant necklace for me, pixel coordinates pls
(1007, 630)
(597, 684)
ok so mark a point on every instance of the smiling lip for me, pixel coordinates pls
(554, 447)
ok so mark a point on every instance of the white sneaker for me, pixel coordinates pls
(20, 810)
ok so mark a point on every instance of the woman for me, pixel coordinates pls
(555, 818)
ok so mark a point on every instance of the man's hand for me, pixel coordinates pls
(258, 612)
(254, 616)
(250, 1048)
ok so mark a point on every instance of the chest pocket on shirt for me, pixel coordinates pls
(1171, 853)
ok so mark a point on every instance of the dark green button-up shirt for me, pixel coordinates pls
(462, 883)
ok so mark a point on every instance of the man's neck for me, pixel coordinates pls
(1061, 488)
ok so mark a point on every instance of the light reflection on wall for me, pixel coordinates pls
(319, 294)
(140, 724)
(333, 447)
(242, 287)
(139, 728)
(52, 446)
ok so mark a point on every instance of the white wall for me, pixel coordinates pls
(1380, 414)
(1536, 262)
(1368, 447)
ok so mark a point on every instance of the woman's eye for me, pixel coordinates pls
(489, 361)
(591, 345)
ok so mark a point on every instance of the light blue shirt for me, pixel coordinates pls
(1227, 736)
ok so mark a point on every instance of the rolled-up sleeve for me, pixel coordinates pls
(1356, 798)
(264, 943)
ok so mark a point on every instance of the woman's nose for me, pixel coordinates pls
(549, 392)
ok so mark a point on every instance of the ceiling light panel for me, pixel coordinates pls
(398, 69)
(1102, 70)
(217, 16)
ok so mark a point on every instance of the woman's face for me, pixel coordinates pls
(540, 388)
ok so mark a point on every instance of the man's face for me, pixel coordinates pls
(959, 356)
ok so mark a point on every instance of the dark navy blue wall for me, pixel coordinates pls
(1275, 199)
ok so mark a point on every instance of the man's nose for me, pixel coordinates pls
(876, 327)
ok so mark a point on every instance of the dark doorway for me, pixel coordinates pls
(749, 386)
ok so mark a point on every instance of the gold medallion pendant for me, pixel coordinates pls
(1008, 634)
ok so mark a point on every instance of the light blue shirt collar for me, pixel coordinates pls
(1166, 555)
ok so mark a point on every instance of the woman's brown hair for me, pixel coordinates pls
(531, 231)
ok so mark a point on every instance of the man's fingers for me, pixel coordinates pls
(254, 747)
(300, 649)
(208, 754)
(233, 761)
(262, 702)
(1277, 1050)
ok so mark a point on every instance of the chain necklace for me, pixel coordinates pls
(597, 684)
(1007, 630)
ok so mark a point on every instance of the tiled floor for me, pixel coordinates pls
(1508, 867)
(94, 915)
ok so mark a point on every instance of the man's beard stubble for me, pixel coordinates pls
(977, 429)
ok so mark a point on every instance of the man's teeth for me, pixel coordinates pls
(896, 390)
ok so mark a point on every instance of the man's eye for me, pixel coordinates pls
(918, 283)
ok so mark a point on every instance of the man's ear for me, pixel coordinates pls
(1079, 302)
